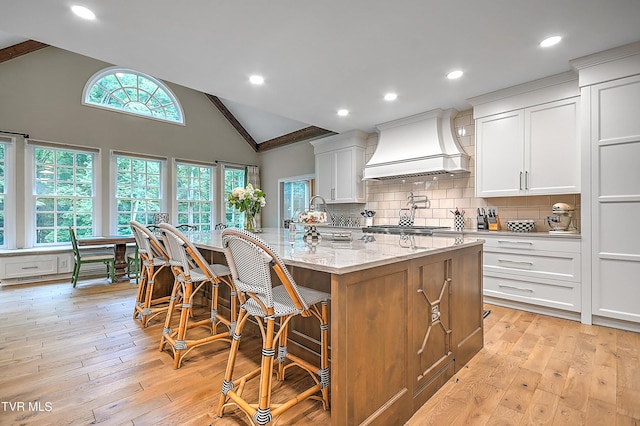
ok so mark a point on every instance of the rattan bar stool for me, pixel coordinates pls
(152, 258)
(192, 272)
(251, 261)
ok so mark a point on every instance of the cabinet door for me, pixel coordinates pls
(500, 155)
(325, 175)
(344, 176)
(431, 345)
(552, 150)
(615, 198)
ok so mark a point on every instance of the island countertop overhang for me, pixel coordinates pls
(342, 257)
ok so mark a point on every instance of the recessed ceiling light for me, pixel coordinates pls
(83, 12)
(454, 74)
(390, 97)
(550, 41)
(256, 79)
(343, 112)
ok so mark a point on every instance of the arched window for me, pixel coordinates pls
(132, 92)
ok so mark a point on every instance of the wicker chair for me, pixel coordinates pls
(251, 261)
(192, 272)
(152, 258)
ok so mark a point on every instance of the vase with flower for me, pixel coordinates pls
(249, 201)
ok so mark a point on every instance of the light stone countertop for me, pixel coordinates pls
(481, 233)
(340, 257)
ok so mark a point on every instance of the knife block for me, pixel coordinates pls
(483, 223)
(494, 223)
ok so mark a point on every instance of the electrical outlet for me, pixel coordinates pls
(64, 263)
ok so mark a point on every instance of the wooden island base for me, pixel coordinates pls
(398, 331)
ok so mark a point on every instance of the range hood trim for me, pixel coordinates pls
(435, 128)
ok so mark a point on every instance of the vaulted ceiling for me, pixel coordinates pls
(319, 57)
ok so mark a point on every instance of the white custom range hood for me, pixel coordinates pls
(423, 144)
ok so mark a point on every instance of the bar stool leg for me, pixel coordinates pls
(263, 415)
(142, 288)
(185, 313)
(282, 348)
(228, 384)
(150, 281)
(166, 331)
(325, 375)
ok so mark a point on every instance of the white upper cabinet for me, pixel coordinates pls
(500, 154)
(552, 148)
(339, 165)
(528, 143)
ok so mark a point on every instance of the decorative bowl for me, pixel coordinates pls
(520, 225)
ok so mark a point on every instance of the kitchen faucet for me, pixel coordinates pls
(312, 206)
(414, 200)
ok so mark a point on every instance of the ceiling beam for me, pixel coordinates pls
(310, 132)
(234, 122)
(20, 49)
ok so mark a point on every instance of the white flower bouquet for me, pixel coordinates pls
(249, 199)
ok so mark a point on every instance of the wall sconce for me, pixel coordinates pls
(461, 131)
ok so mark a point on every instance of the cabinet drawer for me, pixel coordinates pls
(523, 243)
(28, 266)
(554, 294)
(551, 265)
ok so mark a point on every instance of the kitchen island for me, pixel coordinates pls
(406, 314)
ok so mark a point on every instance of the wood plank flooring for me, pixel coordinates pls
(75, 356)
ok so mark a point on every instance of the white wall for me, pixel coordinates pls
(287, 161)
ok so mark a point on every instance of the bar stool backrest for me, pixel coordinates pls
(148, 244)
(183, 253)
(250, 260)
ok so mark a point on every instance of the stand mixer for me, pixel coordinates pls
(560, 221)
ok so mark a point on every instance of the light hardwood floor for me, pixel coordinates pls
(75, 356)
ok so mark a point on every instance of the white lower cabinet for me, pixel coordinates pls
(542, 272)
(19, 269)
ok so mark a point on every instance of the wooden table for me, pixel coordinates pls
(119, 243)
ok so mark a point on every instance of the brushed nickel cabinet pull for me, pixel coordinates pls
(520, 181)
(514, 242)
(29, 267)
(515, 288)
(521, 262)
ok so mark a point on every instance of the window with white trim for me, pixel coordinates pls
(5, 170)
(132, 92)
(295, 194)
(234, 177)
(195, 194)
(63, 193)
(138, 190)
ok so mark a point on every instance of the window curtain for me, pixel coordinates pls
(253, 177)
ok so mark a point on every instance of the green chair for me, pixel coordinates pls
(133, 264)
(108, 259)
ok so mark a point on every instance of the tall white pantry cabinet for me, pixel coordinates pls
(610, 96)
